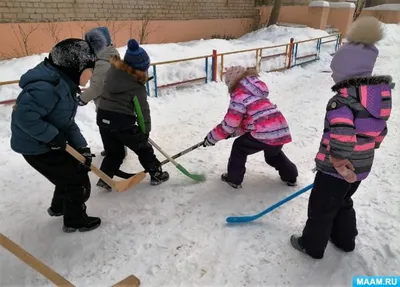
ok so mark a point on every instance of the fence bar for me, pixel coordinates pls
(222, 68)
(182, 82)
(148, 88)
(290, 54)
(181, 60)
(206, 68)
(155, 80)
(214, 65)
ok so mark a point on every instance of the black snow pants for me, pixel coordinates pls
(114, 142)
(246, 145)
(330, 215)
(72, 184)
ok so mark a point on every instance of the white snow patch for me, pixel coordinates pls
(385, 7)
(341, 5)
(319, 4)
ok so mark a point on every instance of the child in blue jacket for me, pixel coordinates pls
(42, 123)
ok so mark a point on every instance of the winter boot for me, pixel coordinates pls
(297, 244)
(54, 212)
(158, 176)
(103, 185)
(56, 207)
(224, 177)
(76, 218)
(290, 182)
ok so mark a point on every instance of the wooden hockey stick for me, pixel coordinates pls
(131, 280)
(47, 272)
(121, 185)
(36, 264)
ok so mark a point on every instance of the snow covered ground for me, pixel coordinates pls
(175, 234)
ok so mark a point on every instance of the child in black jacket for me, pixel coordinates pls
(124, 115)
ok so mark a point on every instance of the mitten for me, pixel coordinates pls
(58, 142)
(87, 154)
(80, 102)
(345, 168)
(207, 143)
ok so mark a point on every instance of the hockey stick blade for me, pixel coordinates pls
(126, 175)
(119, 186)
(249, 218)
(196, 177)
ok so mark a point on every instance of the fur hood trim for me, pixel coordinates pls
(365, 30)
(121, 65)
(363, 81)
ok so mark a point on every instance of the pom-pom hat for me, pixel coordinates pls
(357, 57)
(136, 57)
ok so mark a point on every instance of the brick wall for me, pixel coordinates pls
(75, 10)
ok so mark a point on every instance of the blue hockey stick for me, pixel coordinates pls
(248, 218)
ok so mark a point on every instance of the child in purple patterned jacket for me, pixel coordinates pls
(355, 125)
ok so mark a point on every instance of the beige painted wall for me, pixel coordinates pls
(22, 39)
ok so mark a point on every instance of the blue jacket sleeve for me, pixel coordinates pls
(75, 137)
(31, 108)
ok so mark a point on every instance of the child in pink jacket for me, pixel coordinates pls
(259, 125)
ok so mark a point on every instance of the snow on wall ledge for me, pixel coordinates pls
(319, 4)
(385, 7)
(342, 5)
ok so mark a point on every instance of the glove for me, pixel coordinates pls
(58, 142)
(207, 143)
(345, 168)
(87, 154)
(80, 102)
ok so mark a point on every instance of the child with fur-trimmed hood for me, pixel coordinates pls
(259, 125)
(123, 115)
(100, 40)
(355, 125)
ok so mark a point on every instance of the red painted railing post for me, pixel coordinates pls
(290, 53)
(214, 64)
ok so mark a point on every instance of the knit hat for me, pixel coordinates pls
(357, 57)
(98, 38)
(233, 74)
(72, 56)
(136, 57)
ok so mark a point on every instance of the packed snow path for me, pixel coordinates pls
(175, 234)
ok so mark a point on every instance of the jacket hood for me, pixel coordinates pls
(45, 72)
(108, 53)
(254, 86)
(42, 72)
(120, 78)
(373, 93)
